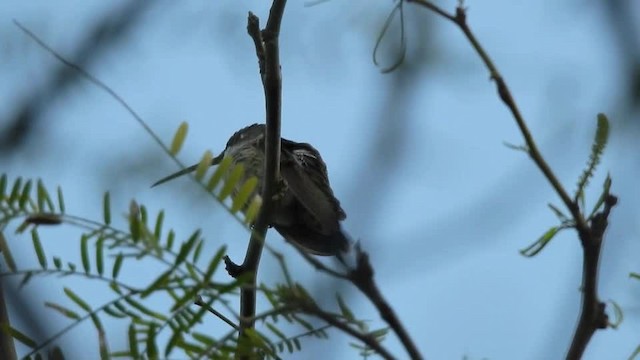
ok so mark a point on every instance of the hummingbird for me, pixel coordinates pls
(306, 212)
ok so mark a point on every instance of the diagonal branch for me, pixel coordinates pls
(592, 316)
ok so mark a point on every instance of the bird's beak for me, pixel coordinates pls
(215, 161)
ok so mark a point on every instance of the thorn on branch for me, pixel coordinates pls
(234, 270)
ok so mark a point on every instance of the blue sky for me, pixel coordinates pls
(443, 207)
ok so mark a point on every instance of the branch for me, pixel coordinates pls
(267, 51)
(592, 316)
(331, 319)
(362, 278)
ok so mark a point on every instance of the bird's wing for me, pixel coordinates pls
(306, 175)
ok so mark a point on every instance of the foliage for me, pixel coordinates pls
(186, 283)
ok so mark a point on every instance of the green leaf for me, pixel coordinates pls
(542, 241)
(117, 265)
(133, 342)
(196, 252)
(203, 165)
(215, 261)
(170, 238)
(144, 310)
(246, 190)
(606, 186)
(25, 195)
(275, 330)
(18, 335)
(344, 309)
(15, 190)
(597, 148)
(178, 138)
(84, 253)
(60, 200)
(106, 208)
(100, 255)
(237, 173)
(618, 315)
(44, 198)
(559, 214)
(221, 170)
(186, 248)
(252, 210)
(3, 186)
(159, 283)
(157, 232)
(76, 299)
(6, 253)
(152, 348)
(57, 263)
(63, 310)
(37, 246)
(634, 275)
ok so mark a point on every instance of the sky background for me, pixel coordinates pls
(417, 156)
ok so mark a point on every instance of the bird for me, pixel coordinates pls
(306, 212)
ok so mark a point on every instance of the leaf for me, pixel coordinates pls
(6, 253)
(231, 182)
(25, 195)
(63, 310)
(44, 198)
(215, 261)
(618, 315)
(84, 253)
(100, 255)
(152, 348)
(60, 200)
(344, 309)
(170, 238)
(597, 148)
(178, 138)
(57, 263)
(133, 343)
(186, 248)
(3, 186)
(145, 310)
(15, 190)
(559, 214)
(253, 209)
(117, 265)
(542, 241)
(203, 165)
(157, 232)
(76, 299)
(222, 169)
(37, 246)
(246, 190)
(18, 335)
(603, 196)
(106, 208)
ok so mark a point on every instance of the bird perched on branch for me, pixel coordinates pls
(305, 211)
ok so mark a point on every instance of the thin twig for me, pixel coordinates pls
(331, 319)
(362, 278)
(592, 316)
